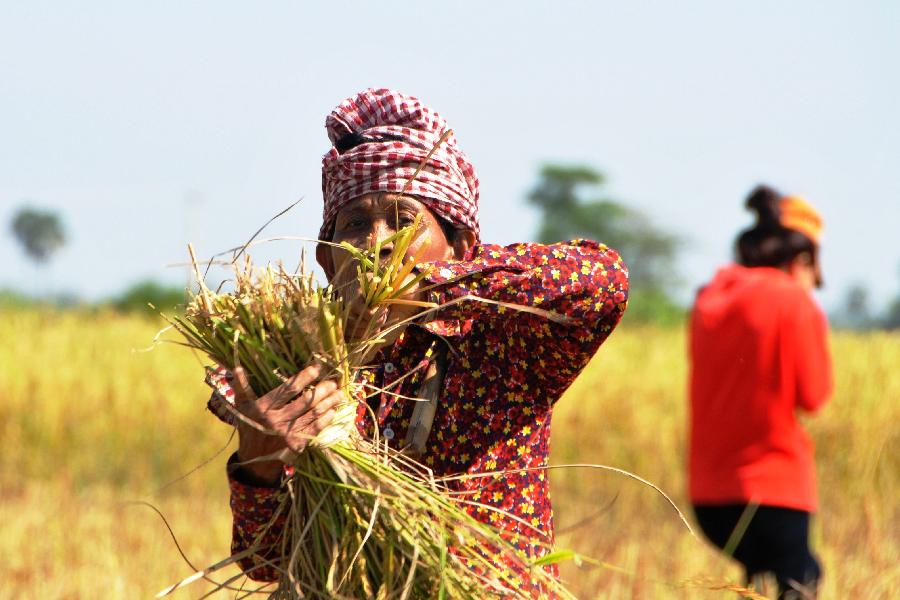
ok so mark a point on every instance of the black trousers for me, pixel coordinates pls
(775, 540)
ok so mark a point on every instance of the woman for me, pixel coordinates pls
(501, 370)
(759, 354)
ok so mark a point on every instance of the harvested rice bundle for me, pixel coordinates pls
(363, 520)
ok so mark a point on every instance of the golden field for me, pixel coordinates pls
(91, 427)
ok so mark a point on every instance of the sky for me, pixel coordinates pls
(148, 125)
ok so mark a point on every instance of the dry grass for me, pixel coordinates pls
(86, 426)
(628, 409)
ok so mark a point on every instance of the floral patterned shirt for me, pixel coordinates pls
(505, 370)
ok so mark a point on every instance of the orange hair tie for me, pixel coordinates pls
(799, 215)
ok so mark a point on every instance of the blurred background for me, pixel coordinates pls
(146, 126)
(129, 129)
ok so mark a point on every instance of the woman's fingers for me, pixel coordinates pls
(290, 389)
(303, 430)
(304, 378)
(328, 403)
(320, 394)
(296, 385)
(243, 393)
(302, 424)
(324, 420)
(296, 411)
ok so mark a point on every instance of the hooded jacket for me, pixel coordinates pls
(759, 354)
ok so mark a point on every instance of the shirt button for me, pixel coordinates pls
(389, 367)
(388, 433)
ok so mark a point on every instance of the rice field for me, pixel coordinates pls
(93, 431)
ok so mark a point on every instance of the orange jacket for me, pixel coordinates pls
(759, 352)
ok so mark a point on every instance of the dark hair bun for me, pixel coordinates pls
(768, 243)
(765, 202)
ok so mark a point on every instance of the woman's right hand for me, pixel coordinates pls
(282, 421)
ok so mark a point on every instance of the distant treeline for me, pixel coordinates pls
(572, 202)
(646, 307)
(136, 299)
(856, 312)
(142, 297)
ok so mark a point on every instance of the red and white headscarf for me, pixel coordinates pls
(397, 132)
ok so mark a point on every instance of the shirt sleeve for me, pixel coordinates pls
(581, 285)
(812, 359)
(258, 523)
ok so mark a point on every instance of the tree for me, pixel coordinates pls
(39, 232)
(137, 297)
(855, 313)
(569, 198)
(892, 315)
(891, 320)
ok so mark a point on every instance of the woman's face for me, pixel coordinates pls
(371, 217)
(803, 270)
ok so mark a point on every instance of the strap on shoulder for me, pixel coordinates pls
(423, 413)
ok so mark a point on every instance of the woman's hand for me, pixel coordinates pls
(282, 421)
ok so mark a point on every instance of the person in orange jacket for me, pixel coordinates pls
(759, 355)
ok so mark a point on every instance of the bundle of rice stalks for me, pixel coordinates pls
(362, 520)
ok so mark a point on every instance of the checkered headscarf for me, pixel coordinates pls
(391, 134)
